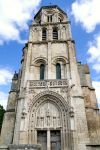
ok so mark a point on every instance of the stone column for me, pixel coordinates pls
(49, 33)
(49, 61)
(48, 140)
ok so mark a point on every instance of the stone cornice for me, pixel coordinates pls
(52, 41)
(47, 24)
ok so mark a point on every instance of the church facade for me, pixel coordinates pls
(52, 104)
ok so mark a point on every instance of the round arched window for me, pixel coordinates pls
(42, 70)
(58, 71)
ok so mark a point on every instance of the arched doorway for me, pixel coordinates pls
(50, 122)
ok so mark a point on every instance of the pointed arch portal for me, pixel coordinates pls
(50, 121)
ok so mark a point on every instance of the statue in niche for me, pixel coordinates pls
(63, 31)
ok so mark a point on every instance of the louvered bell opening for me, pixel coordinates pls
(55, 34)
(44, 35)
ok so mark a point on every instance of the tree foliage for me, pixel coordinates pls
(2, 111)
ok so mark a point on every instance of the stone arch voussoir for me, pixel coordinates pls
(52, 96)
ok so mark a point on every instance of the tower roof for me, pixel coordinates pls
(49, 7)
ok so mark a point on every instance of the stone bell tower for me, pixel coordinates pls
(52, 104)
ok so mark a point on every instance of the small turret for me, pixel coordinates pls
(14, 86)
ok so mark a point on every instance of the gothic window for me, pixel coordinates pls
(44, 34)
(42, 70)
(58, 71)
(55, 34)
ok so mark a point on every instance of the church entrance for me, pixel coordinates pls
(42, 139)
(49, 124)
(55, 140)
(49, 140)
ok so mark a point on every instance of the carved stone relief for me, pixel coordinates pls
(47, 115)
(48, 94)
(50, 83)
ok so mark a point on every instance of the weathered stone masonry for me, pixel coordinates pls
(51, 104)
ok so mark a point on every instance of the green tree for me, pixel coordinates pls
(2, 111)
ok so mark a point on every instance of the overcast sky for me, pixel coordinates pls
(17, 15)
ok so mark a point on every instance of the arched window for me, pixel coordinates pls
(55, 34)
(58, 71)
(42, 70)
(44, 34)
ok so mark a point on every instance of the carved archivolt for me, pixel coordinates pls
(49, 110)
(48, 94)
(59, 59)
(39, 60)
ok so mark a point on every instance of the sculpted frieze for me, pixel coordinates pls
(48, 83)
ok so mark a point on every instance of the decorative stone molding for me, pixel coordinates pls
(48, 115)
(62, 59)
(48, 110)
(48, 83)
(49, 94)
(71, 111)
(39, 60)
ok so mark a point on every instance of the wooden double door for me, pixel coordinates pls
(51, 141)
